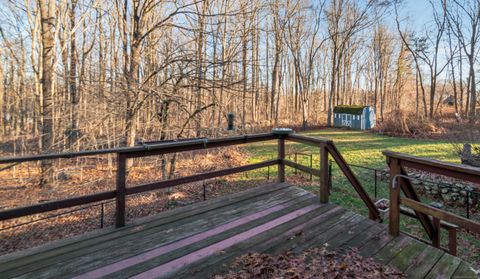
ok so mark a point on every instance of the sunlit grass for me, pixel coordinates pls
(361, 148)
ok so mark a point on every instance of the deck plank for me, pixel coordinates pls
(394, 247)
(259, 243)
(163, 258)
(144, 239)
(376, 243)
(283, 240)
(74, 243)
(266, 244)
(420, 267)
(218, 258)
(203, 239)
(308, 234)
(407, 255)
(323, 238)
(364, 236)
(347, 235)
(445, 267)
(464, 271)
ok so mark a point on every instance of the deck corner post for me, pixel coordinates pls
(282, 134)
(121, 190)
(324, 175)
(394, 212)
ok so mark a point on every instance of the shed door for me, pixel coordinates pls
(347, 120)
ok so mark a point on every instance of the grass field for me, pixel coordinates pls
(362, 149)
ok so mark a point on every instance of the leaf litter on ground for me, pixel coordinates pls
(310, 264)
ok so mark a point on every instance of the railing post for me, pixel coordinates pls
(121, 189)
(452, 241)
(324, 174)
(281, 157)
(282, 133)
(394, 213)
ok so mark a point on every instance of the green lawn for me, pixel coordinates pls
(362, 149)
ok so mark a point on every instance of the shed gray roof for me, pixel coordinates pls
(358, 110)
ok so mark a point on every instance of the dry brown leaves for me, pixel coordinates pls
(312, 263)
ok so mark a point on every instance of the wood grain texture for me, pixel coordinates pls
(203, 239)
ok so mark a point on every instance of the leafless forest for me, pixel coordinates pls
(85, 74)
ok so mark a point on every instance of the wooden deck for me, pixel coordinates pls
(197, 241)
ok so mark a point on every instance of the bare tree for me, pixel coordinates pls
(464, 22)
(426, 49)
(47, 9)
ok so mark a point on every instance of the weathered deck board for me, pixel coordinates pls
(411, 251)
(464, 271)
(445, 267)
(424, 262)
(142, 238)
(64, 246)
(202, 239)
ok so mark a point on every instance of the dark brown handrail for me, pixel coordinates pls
(463, 172)
(55, 205)
(303, 168)
(148, 150)
(309, 140)
(442, 214)
(373, 210)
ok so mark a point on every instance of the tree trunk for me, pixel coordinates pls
(47, 16)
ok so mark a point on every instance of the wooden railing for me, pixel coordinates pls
(121, 191)
(327, 147)
(432, 219)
